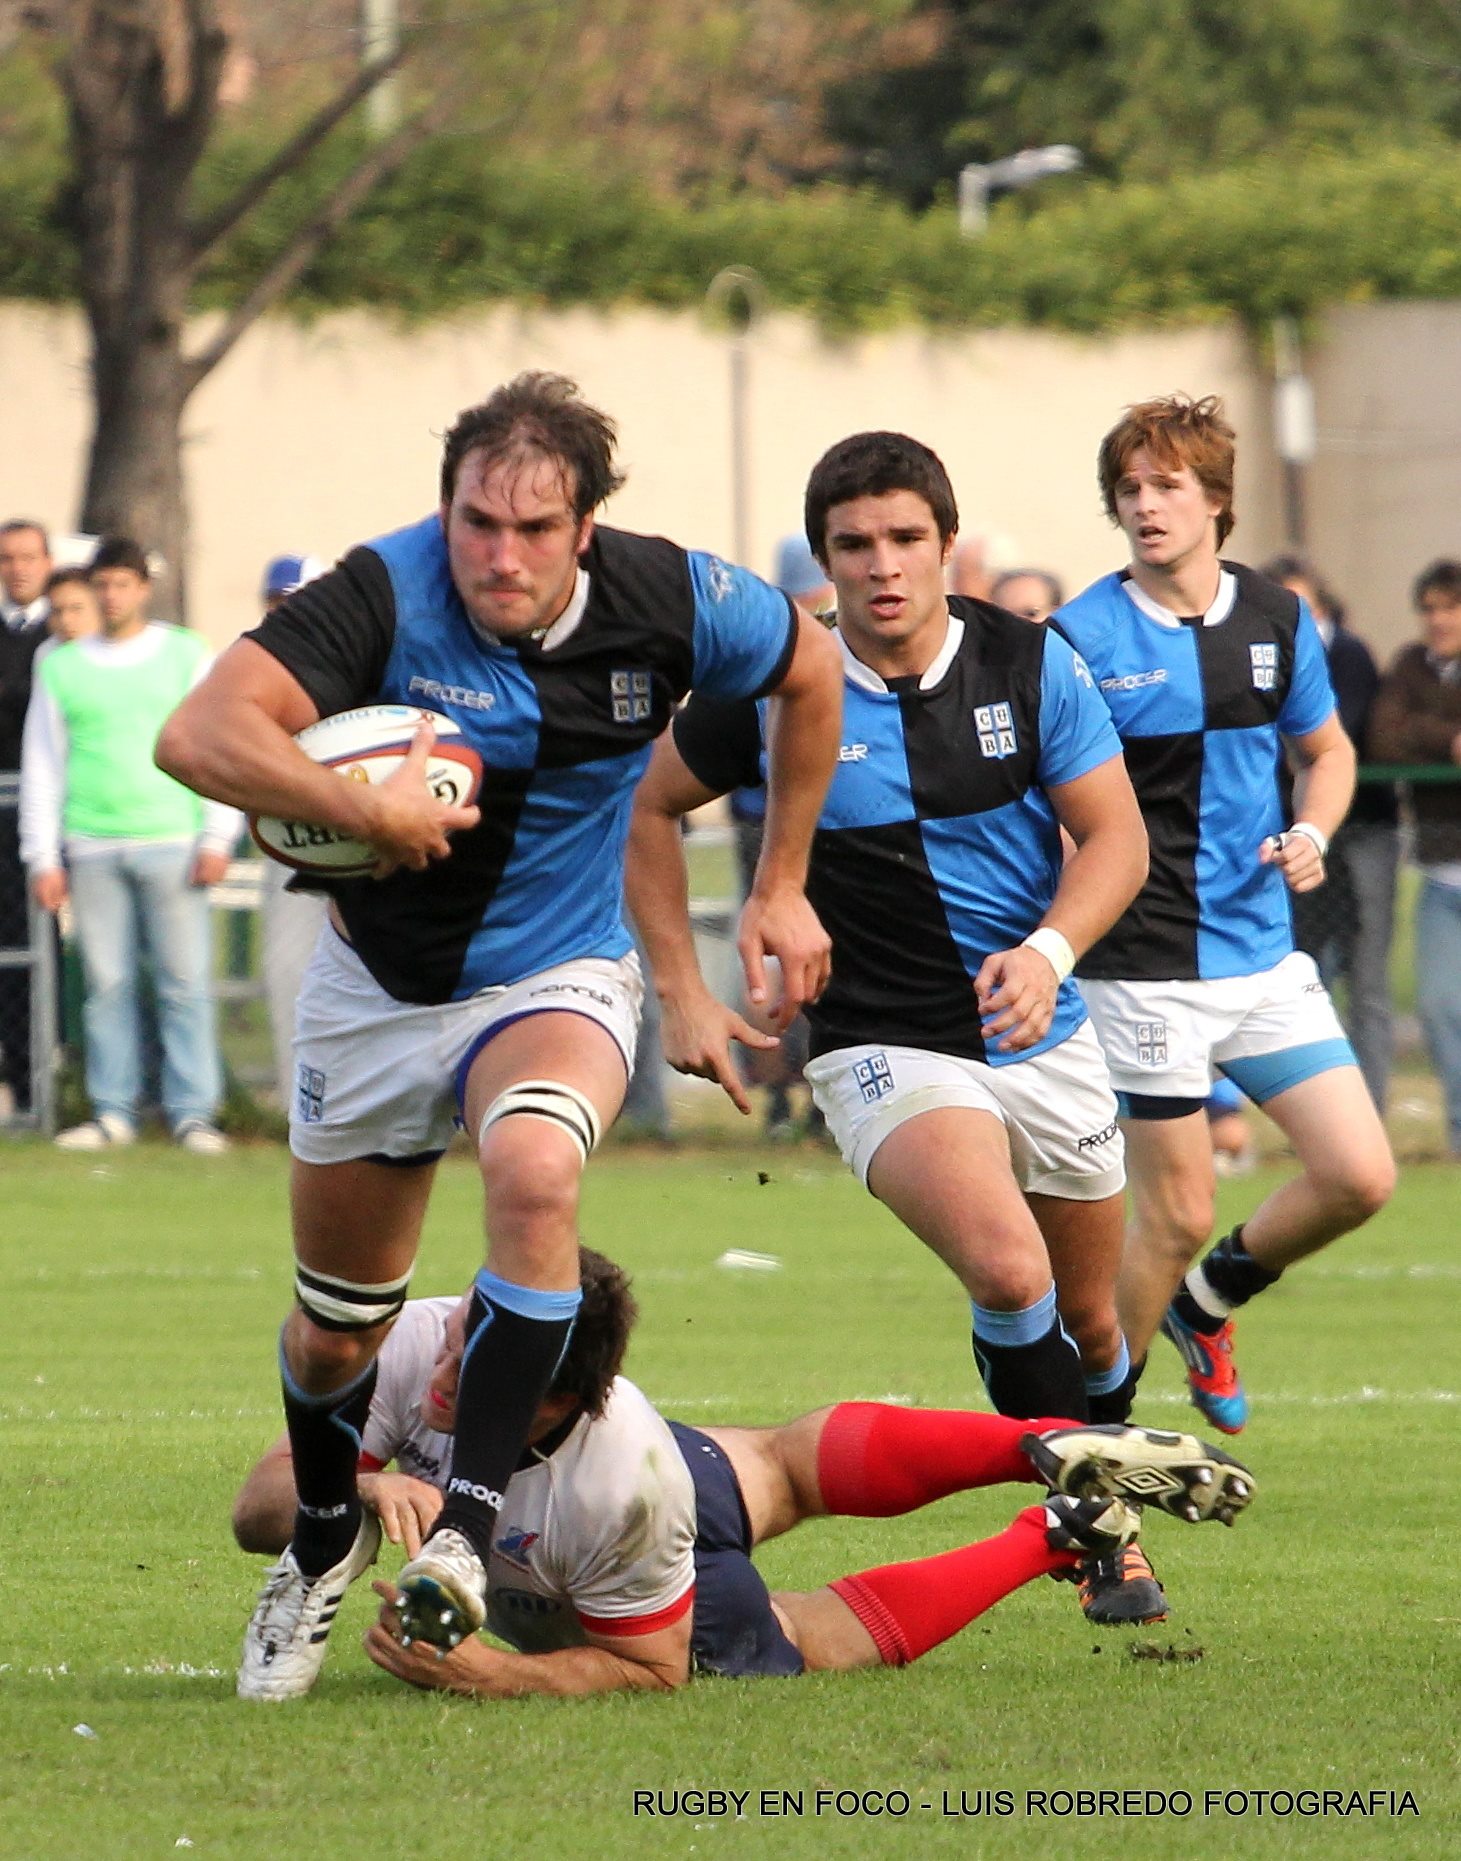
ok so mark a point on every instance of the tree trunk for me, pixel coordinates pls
(142, 86)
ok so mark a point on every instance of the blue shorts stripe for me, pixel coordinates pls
(1264, 1075)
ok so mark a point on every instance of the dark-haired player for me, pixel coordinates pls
(1209, 669)
(951, 1055)
(488, 974)
(623, 1556)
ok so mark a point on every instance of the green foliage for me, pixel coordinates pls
(455, 229)
(138, 1379)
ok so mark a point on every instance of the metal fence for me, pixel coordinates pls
(1360, 927)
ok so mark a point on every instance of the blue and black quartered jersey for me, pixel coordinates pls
(937, 844)
(1200, 704)
(563, 724)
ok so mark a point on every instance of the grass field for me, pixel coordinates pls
(138, 1382)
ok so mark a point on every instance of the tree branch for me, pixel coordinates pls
(207, 234)
(311, 237)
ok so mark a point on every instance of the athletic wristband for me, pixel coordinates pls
(1312, 834)
(1054, 948)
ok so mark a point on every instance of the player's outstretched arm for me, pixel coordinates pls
(654, 1662)
(1017, 988)
(1323, 791)
(804, 722)
(696, 1030)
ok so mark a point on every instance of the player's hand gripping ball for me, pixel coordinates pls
(367, 745)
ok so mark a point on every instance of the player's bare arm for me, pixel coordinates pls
(1017, 988)
(696, 1030)
(656, 1662)
(803, 725)
(1323, 790)
(263, 1513)
(232, 739)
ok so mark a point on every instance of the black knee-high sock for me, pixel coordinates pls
(1114, 1405)
(515, 1339)
(1231, 1278)
(1029, 1364)
(324, 1439)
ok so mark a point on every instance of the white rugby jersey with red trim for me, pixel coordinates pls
(597, 1537)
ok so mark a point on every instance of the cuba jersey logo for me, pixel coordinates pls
(1264, 661)
(630, 694)
(874, 1077)
(995, 725)
(309, 1094)
(1151, 1043)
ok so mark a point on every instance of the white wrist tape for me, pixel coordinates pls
(1312, 834)
(1054, 948)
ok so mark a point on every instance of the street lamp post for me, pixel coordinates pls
(738, 295)
(979, 182)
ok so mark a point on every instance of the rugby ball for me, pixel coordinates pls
(367, 745)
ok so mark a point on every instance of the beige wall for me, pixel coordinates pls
(312, 438)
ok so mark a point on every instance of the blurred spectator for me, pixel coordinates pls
(1233, 1153)
(25, 563)
(132, 849)
(800, 575)
(1417, 719)
(74, 614)
(969, 572)
(1033, 594)
(284, 574)
(291, 917)
(1347, 924)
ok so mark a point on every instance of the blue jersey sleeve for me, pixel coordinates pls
(1310, 697)
(745, 630)
(1076, 731)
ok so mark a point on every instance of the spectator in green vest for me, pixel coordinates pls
(131, 849)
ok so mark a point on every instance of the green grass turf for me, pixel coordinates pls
(144, 1292)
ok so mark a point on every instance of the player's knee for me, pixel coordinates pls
(254, 1530)
(529, 1178)
(1360, 1187)
(321, 1357)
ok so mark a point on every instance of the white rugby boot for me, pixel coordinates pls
(443, 1591)
(284, 1646)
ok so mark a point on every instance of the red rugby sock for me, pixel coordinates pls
(910, 1608)
(876, 1460)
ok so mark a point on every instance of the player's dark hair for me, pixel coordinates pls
(1442, 578)
(13, 525)
(59, 577)
(600, 1337)
(538, 414)
(120, 552)
(1292, 568)
(869, 465)
(1176, 430)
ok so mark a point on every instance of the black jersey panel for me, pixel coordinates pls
(1157, 934)
(897, 978)
(720, 744)
(413, 929)
(613, 684)
(1247, 663)
(335, 634)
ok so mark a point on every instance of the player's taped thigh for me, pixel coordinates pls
(552, 1100)
(347, 1305)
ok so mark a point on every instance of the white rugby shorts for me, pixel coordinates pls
(1057, 1107)
(1266, 1031)
(376, 1077)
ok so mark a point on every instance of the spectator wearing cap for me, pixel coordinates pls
(283, 575)
(133, 850)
